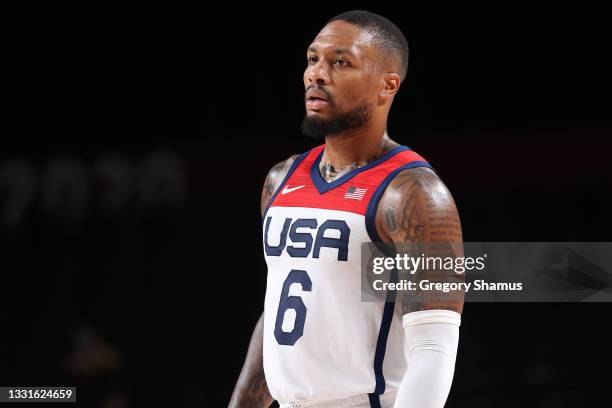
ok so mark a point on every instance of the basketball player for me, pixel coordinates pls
(317, 344)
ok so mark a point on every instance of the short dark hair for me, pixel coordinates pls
(388, 36)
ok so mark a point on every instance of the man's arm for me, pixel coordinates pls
(418, 209)
(251, 390)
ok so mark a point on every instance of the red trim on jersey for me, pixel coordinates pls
(348, 196)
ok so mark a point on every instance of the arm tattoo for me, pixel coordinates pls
(417, 209)
(390, 219)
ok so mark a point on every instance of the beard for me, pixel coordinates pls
(319, 128)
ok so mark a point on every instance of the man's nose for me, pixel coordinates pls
(317, 74)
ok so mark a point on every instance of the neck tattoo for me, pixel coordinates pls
(330, 173)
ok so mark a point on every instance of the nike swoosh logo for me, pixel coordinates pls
(287, 190)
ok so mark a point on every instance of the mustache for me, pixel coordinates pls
(319, 88)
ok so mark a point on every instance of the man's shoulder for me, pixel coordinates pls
(415, 178)
(275, 176)
(412, 184)
(280, 169)
(414, 199)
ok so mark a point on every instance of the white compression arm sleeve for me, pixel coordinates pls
(431, 343)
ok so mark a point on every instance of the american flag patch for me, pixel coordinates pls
(355, 193)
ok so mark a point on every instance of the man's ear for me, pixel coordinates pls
(391, 84)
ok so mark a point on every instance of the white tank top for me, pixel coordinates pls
(321, 341)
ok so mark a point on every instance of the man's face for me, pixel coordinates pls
(341, 79)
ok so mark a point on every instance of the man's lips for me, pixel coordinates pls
(314, 93)
(316, 99)
(316, 104)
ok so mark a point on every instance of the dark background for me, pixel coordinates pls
(136, 139)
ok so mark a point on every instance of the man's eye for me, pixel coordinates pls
(312, 60)
(341, 62)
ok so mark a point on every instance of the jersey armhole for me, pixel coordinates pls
(370, 216)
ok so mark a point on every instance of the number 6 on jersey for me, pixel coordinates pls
(287, 302)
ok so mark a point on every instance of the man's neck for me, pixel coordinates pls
(356, 146)
(344, 153)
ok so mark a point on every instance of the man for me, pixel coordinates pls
(317, 344)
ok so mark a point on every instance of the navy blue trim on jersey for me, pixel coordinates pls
(383, 334)
(323, 186)
(294, 165)
(374, 400)
(387, 318)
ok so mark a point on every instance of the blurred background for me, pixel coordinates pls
(136, 138)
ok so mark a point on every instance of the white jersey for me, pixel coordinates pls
(321, 342)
